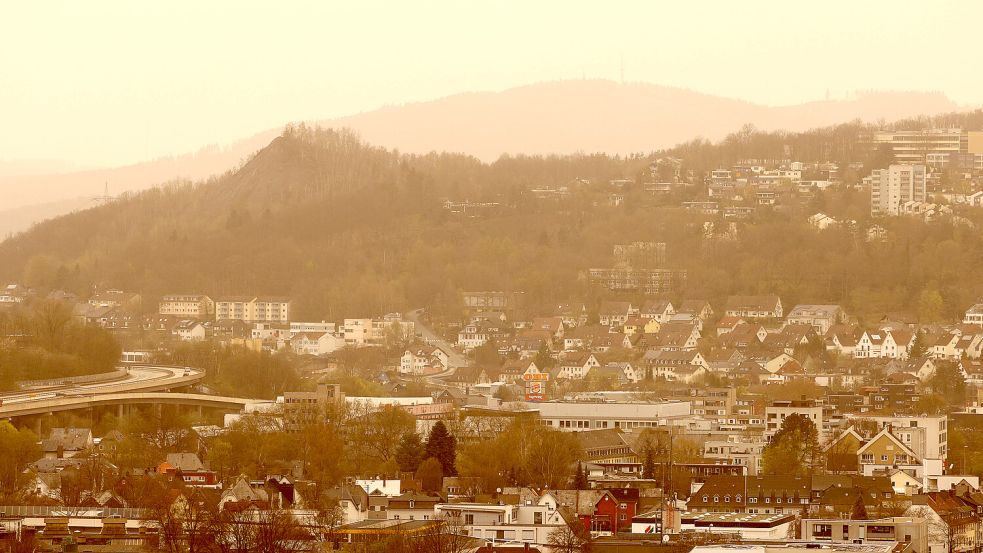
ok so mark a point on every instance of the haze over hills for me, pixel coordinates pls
(346, 228)
(556, 117)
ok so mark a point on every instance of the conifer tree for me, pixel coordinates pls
(859, 509)
(648, 461)
(443, 447)
(580, 478)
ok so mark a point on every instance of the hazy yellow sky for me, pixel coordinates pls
(111, 82)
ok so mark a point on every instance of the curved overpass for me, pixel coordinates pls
(144, 384)
(139, 378)
(70, 403)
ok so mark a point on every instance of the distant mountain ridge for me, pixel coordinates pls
(548, 118)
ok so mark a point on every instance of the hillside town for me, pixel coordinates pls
(635, 417)
(679, 423)
(500, 277)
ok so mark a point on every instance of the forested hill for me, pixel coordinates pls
(347, 229)
(341, 226)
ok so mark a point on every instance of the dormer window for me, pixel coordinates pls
(412, 504)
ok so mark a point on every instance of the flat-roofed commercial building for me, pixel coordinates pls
(575, 415)
(910, 530)
(919, 146)
(747, 526)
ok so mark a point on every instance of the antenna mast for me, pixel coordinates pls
(105, 198)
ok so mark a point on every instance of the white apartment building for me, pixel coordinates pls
(253, 309)
(737, 450)
(776, 413)
(892, 188)
(197, 306)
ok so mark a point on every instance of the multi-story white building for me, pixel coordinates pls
(737, 450)
(922, 146)
(526, 524)
(374, 332)
(472, 336)
(892, 188)
(776, 413)
(253, 309)
(927, 436)
(197, 306)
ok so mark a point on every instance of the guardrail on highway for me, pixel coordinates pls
(84, 379)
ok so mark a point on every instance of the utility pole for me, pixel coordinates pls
(667, 494)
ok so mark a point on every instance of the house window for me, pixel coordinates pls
(706, 499)
(469, 518)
